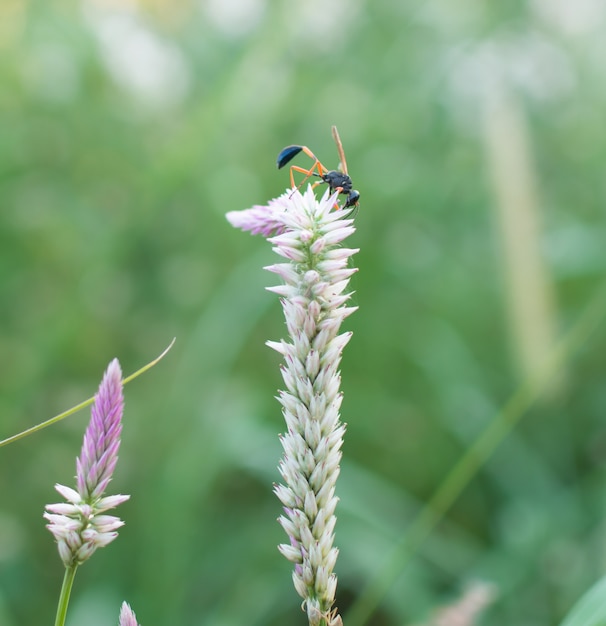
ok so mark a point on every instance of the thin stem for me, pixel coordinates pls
(78, 407)
(66, 589)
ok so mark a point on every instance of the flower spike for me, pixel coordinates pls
(78, 524)
(308, 233)
(127, 616)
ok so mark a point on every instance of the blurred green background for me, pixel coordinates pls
(475, 133)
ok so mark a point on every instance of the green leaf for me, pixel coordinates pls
(590, 610)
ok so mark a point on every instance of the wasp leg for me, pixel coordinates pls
(317, 166)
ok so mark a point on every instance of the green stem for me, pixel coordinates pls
(82, 405)
(66, 589)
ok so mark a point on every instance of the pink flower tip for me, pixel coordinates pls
(127, 616)
(95, 466)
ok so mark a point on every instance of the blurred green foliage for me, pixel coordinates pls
(128, 130)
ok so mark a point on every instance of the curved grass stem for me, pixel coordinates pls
(82, 405)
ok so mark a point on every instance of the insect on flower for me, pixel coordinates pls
(337, 180)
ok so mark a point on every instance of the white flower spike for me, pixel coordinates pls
(308, 233)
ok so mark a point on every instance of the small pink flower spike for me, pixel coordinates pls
(127, 616)
(78, 524)
(95, 466)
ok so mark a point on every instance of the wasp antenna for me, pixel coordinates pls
(343, 165)
(287, 154)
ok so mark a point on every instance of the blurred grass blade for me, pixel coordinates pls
(82, 405)
(474, 459)
(528, 283)
(590, 610)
